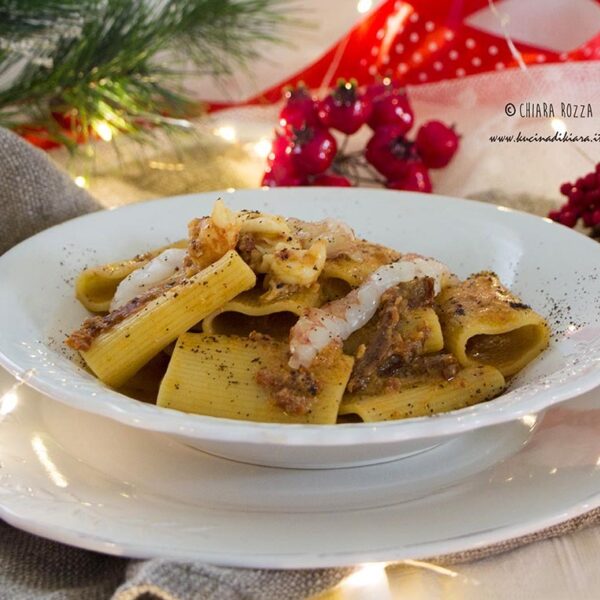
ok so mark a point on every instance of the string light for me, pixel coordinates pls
(164, 166)
(371, 577)
(364, 6)
(104, 130)
(81, 181)
(262, 148)
(226, 132)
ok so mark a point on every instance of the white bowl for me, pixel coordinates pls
(553, 268)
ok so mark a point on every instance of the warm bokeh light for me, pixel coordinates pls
(226, 132)
(559, 126)
(81, 181)
(165, 166)
(363, 6)
(104, 130)
(371, 579)
(262, 148)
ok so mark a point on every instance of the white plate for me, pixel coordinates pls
(94, 483)
(551, 267)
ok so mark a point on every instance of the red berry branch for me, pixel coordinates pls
(305, 151)
(583, 203)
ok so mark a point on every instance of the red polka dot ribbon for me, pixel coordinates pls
(420, 41)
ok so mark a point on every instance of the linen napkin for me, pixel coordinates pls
(34, 195)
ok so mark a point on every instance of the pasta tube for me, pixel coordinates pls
(116, 354)
(484, 323)
(96, 286)
(247, 312)
(414, 322)
(355, 267)
(470, 386)
(216, 375)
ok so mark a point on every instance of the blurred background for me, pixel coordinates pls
(145, 99)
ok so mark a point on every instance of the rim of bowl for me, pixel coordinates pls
(114, 405)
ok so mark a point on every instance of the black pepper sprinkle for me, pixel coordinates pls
(518, 305)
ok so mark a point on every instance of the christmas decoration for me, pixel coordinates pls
(420, 41)
(72, 71)
(305, 151)
(583, 204)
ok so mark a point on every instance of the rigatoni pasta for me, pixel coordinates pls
(274, 319)
(119, 352)
(96, 286)
(219, 376)
(484, 323)
(427, 397)
(251, 312)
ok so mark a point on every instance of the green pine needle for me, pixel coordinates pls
(110, 60)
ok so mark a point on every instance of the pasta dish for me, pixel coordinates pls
(259, 317)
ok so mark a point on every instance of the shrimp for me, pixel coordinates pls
(212, 237)
(337, 320)
(340, 237)
(161, 268)
(294, 266)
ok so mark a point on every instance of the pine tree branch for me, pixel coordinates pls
(104, 60)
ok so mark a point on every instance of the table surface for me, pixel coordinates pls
(557, 569)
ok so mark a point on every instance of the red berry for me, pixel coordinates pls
(554, 215)
(568, 217)
(577, 200)
(300, 109)
(314, 150)
(592, 198)
(588, 218)
(382, 88)
(278, 176)
(566, 188)
(344, 109)
(436, 144)
(280, 146)
(281, 169)
(596, 217)
(589, 182)
(416, 179)
(597, 169)
(329, 180)
(392, 109)
(576, 196)
(390, 152)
